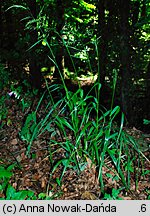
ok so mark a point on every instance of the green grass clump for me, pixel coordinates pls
(80, 134)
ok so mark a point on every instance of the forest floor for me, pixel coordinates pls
(34, 173)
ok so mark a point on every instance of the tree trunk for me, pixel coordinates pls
(148, 91)
(1, 25)
(1, 31)
(59, 69)
(102, 42)
(9, 36)
(34, 67)
(125, 59)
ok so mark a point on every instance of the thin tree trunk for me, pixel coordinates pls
(59, 29)
(34, 67)
(148, 91)
(10, 30)
(1, 24)
(125, 59)
(9, 36)
(102, 42)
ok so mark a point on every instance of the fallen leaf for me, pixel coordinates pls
(14, 142)
(19, 158)
(125, 198)
(88, 196)
(43, 184)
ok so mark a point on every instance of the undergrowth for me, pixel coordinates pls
(82, 129)
(79, 135)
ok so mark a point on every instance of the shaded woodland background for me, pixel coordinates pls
(107, 38)
(66, 69)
